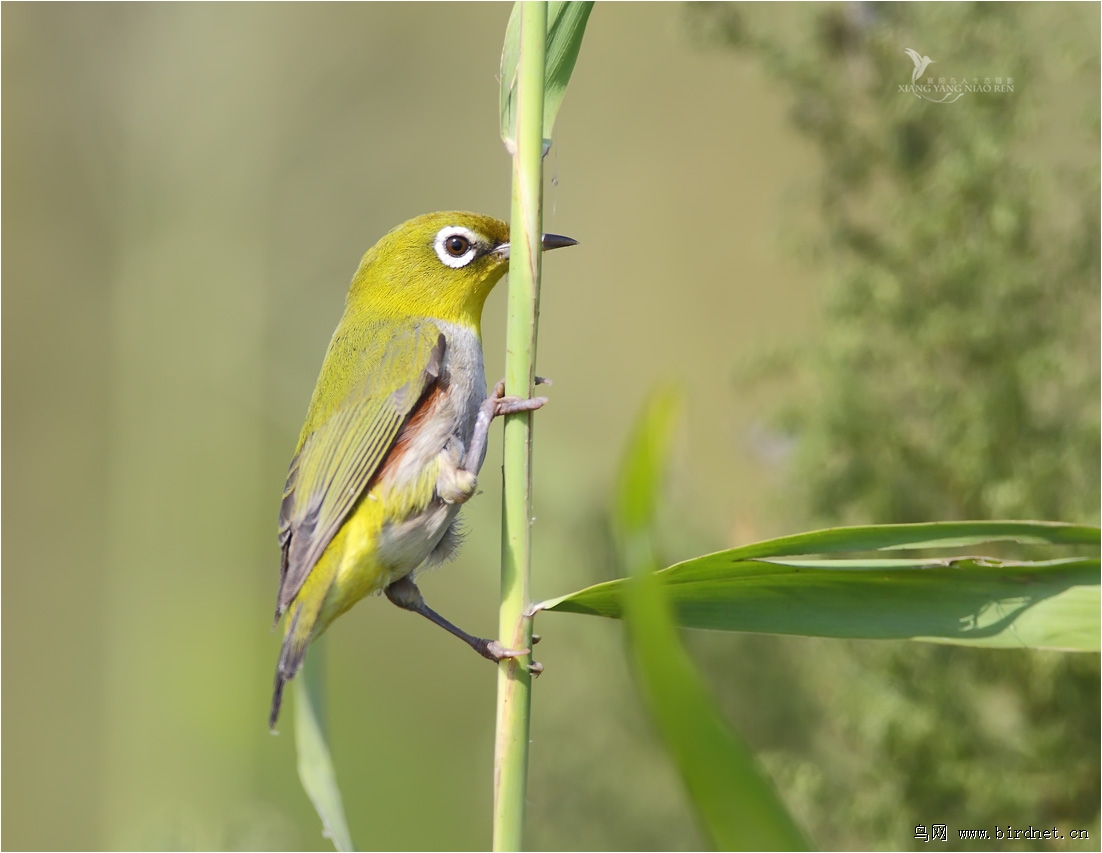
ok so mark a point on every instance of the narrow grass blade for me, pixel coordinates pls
(566, 22)
(315, 766)
(642, 476)
(736, 806)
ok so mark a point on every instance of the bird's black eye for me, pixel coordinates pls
(457, 246)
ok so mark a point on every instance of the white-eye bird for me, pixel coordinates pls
(396, 430)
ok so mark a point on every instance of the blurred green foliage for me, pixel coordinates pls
(960, 375)
(957, 376)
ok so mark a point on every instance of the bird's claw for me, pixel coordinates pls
(496, 652)
(493, 650)
(535, 667)
(499, 388)
(511, 405)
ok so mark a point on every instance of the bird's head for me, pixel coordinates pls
(440, 265)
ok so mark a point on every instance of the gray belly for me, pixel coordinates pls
(405, 545)
(431, 535)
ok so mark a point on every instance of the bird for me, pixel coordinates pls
(921, 63)
(395, 432)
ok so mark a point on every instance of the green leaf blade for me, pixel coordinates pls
(1050, 604)
(565, 30)
(735, 804)
(315, 764)
(566, 23)
(938, 534)
(510, 56)
(642, 471)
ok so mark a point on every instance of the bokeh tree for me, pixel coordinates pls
(957, 376)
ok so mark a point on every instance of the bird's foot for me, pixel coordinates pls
(511, 405)
(456, 485)
(493, 650)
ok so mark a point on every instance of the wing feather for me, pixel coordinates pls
(336, 462)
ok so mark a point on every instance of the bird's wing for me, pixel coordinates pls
(337, 461)
(916, 58)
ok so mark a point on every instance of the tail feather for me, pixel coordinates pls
(277, 700)
(288, 665)
(300, 631)
(308, 613)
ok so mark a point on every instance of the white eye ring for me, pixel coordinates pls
(441, 246)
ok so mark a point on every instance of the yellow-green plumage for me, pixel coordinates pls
(385, 455)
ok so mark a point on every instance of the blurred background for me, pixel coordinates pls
(882, 309)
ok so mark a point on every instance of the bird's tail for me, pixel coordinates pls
(302, 628)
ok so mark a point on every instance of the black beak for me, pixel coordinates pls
(557, 241)
(550, 241)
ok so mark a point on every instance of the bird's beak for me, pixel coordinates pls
(557, 241)
(549, 242)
